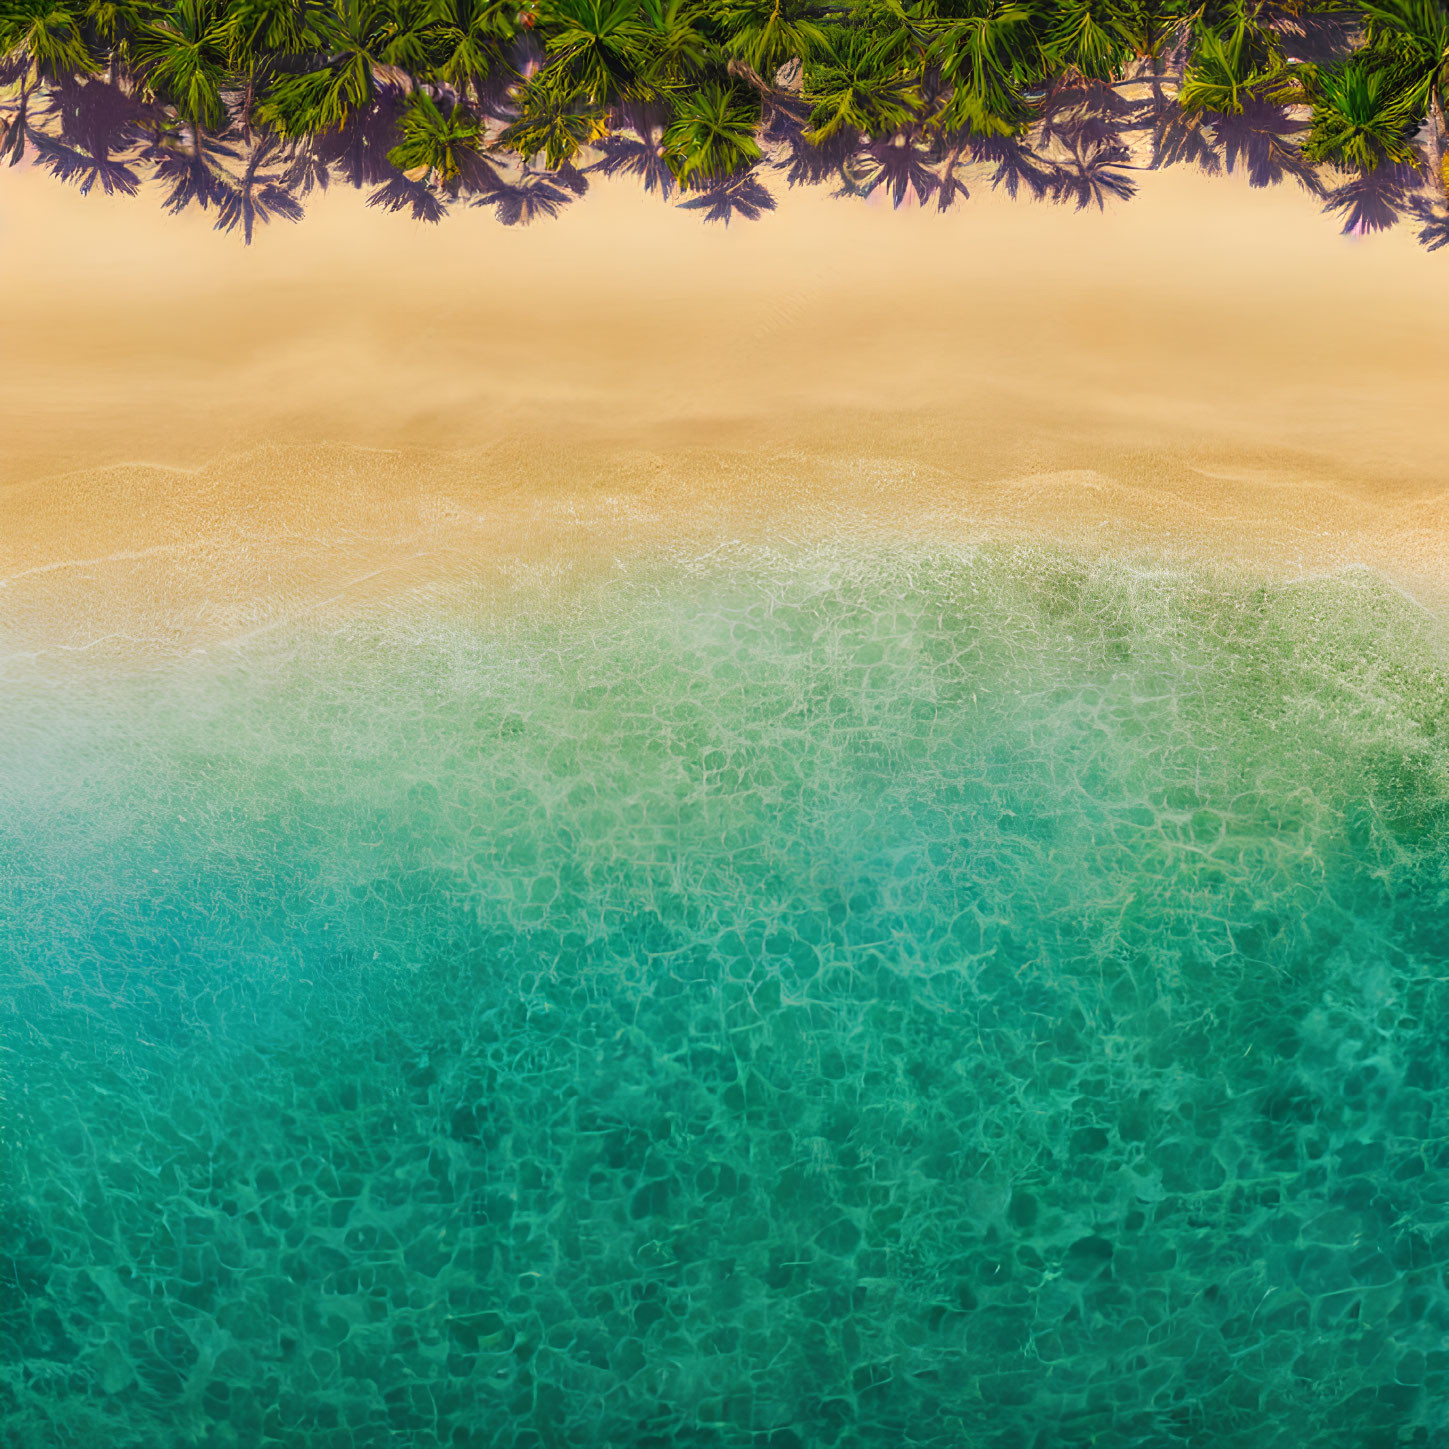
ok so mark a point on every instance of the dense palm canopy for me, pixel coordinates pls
(244, 105)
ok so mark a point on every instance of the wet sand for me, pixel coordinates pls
(202, 441)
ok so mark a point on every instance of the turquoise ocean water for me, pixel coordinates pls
(988, 1000)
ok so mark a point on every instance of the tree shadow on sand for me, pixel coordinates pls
(1086, 148)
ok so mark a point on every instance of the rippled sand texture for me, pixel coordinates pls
(375, 406)
(891, 999)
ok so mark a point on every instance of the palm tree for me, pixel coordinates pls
(440, 145)
(117, 23)
(599, 50)
(1090, 38)
(712, 136)
(259, 194)
(360, 41)
(1230, 69)
(41, 41)
(1416, 34)
(469, 42)
(47, 37)
(262, 35)
(554, 120)
(679, 53)
(767, 34)
(988, 58)
(860, 84)
(183, 61)
(96, 121)
(1363, 115)
(873, 94)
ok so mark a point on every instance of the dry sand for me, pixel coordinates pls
(201, 441)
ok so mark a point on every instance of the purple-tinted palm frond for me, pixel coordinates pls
(259, 194)
(518, 203)
(96, 117)
(260, 203)
(358, 150)
(13, 133)
(805, 164)
(945, 156)
(399, 194)
(13, 66)
(1377, 200)
(644, 118)
(897, 165)
(194, 176)
(83, 168)
(782, 121)
(745, 196)
(1017, 165)
(96, 121)
(306, 169)
(1084, 113)
(491, 95)
(1259, 141)
(571, 177)
(1321, 38)
(1179, 140)
(1434, 223)
(952, 189)
(477, 176)
(525, 52)
(1093, 176)
(642, 157)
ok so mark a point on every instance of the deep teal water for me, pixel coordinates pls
(972, 1001)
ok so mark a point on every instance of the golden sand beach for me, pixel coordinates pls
(202, 440)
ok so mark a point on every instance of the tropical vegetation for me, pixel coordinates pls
(242, 107)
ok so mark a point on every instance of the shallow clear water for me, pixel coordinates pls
(924, 1000)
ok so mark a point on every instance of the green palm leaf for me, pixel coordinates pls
(1417, 29)
(678, 49)
(182, 56)
(856, 83)
(767, 34)
(987, 59)
(1365, 113)
(1091, 38)
(266, 28)
(713, 135)
(433, 141)
(601, 47)
(554, 121)
(1224, 74)
(47, 33)
(357, 39)
(469, 38)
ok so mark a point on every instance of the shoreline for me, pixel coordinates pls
(361, 407)
(162, 562)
